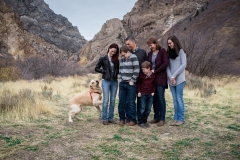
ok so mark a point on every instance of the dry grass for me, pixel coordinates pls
(211, 130)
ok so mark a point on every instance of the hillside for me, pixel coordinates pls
(146, 19)
(217, 20)
(30, 27)
(211, 38)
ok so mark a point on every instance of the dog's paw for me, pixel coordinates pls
(70, 121)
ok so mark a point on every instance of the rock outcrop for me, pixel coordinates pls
(148, 18)
(208, 29)
(12, 37)
(30, 27)
(112, 32)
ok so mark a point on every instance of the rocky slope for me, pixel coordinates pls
(148, 18)
(111, 32)
(30, 27)
(195, 22)
(211, 38)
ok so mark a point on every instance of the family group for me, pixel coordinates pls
(144, 77)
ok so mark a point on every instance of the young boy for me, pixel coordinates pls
(146, 89)
(128, 74)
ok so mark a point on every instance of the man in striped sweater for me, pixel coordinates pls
(128, 74)
(142, 56)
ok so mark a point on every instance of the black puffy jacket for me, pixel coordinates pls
(103, 66)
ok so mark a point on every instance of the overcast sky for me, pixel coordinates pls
(90, 15)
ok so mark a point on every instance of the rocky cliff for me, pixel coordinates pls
(31, 27)
(208, 29)
(111, 32)
(148, 18)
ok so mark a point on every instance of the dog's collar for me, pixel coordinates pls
(93, 92)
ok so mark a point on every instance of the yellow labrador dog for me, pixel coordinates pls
(91, 97)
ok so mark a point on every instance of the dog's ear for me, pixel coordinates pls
(91, 83)
(97, 82)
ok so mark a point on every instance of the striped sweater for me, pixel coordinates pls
(129, 69)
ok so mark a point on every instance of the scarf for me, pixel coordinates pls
(172, 54)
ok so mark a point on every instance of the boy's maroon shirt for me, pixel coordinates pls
(146, 84)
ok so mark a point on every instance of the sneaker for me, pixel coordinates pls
(131, 124)
(122, 123)
(105, 123)
(179, 123)
(142, 125)
(154, 121)
(112, 122)
(161, 123)
(173, 123)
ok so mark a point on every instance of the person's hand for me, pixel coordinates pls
(104, 71)
(152, 71)
(131, 83)
(152, 94)
(173, 81)
(139, 94)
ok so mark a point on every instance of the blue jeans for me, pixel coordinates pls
(127, 93)
(159, 103)
(177, 94)
(145, 105)
(108, 87)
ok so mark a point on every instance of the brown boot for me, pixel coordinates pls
(112, 122)
(122, 123)
(105, 123)
(154, 121)
(161, 123)
(128, 120)
(131, 124)
(173, 123)
(179, 123)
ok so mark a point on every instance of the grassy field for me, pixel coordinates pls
(34, 124)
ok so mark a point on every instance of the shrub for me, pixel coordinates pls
(9, 74)
(10, 101)
(24, 105)
(205, 88)
(47, 92)
(36, 67)
(197, 13)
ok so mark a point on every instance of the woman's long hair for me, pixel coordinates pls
(177, 45)
(116, 55)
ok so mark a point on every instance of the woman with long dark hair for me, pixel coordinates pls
(108, 65)
(176, 77)
(159, 62)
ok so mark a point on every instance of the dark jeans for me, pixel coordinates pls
(145, 105)
(159, 103)
(127, 93)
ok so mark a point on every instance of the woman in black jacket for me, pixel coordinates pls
(108, 65)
